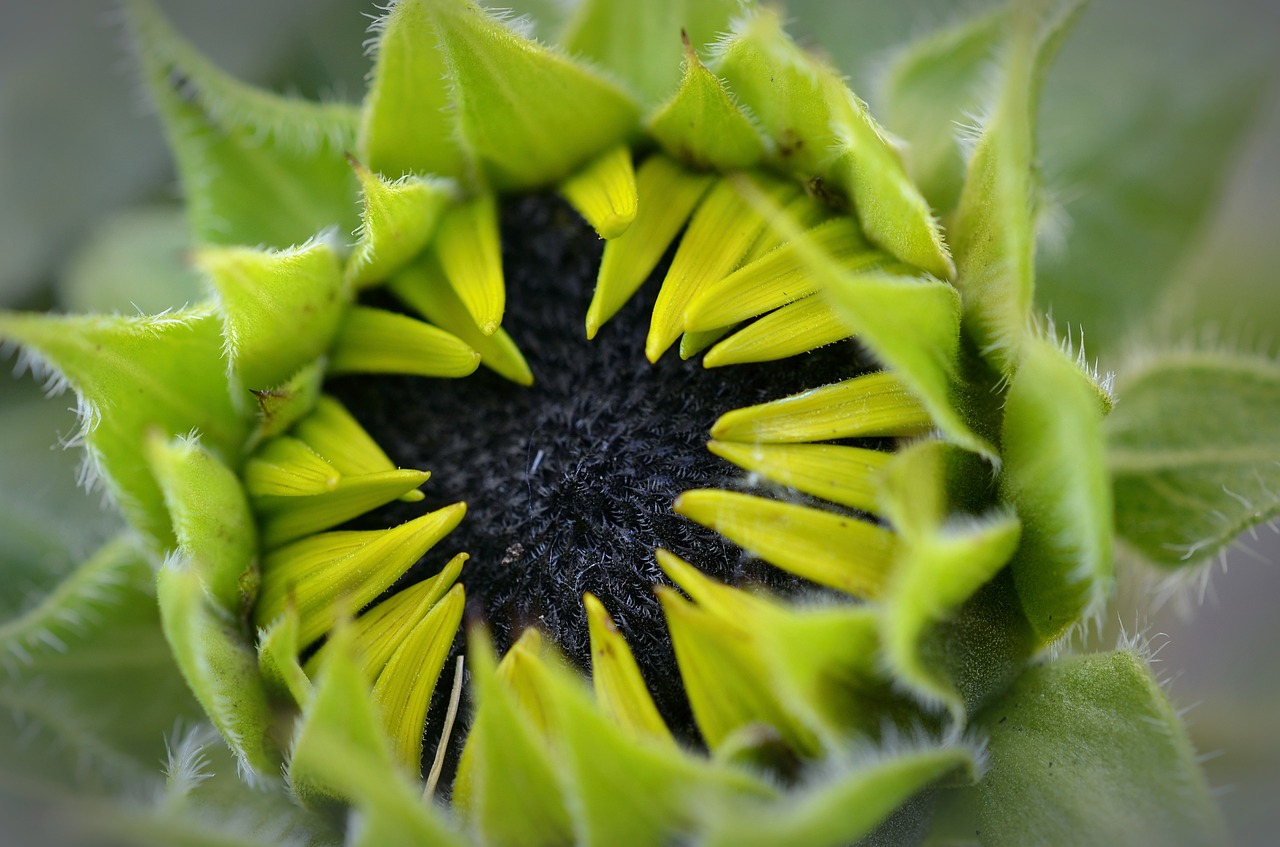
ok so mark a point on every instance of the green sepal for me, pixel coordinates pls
(628, 791)
(278, 649)
(943, 559)
(403, 688)
(1194, 453)
(818, 666)
(703, 126)
(507, 787)
(280, 309)
(341, 752)
(512, 99)
(1088, 751)
(853, 795)
(994, 229)
(257, 168)
(219, 666)
(211, 519)
(132, 374)
(405, 124)
(424, 287)
(820, 129)
(397, 219)
(639, 43)
(281, 407)
(1055, 475)
(932, 86)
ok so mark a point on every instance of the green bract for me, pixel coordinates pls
(917, 698)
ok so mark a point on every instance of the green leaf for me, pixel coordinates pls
(513, 98)
(1194, 453)
(1055, 475)
(932, 86)
(1088, 751)
(90, 689)
(256, 168)
(993, 233)
(1138, 192)
(405, 126)
(639, 43)
(172, 361)
(849, 801)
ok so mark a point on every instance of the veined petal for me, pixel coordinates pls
(331, 431)
(619, 688)
(376, 341)
(403, 690)
(326, 570)
(834, 550)
(278, 649)
(794, 329)
(288, 467)
(471, 258)
(667, 195)
(779, 277)
(424, 287)
(604, 192)
(282, 519)
(846, 475)
(874, 404)
(722, 230)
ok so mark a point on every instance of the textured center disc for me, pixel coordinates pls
(569, 483)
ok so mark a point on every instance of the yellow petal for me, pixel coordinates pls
(845, 475)
(604, 192)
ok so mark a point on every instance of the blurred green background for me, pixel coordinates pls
(1144, 94)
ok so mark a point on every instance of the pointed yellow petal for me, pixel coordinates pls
(282, 519)
(375, 341)
(403, 690)
(805, 211)
(870, 405)
(722, 230)
(720, 600)
(351, 568)
(693, 343)
(619, 687)
(288, 467)
(423, 287)
(331, 431)
(834, 550)
(794, 329)
(378, 632)
(470, 254)
(604, 192)
(777, 278)
(845, 475)
(667, 196)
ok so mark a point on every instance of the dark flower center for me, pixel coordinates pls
(569, 483)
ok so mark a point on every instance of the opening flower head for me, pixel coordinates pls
(933, 502)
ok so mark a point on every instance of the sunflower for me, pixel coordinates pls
(823, 626)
